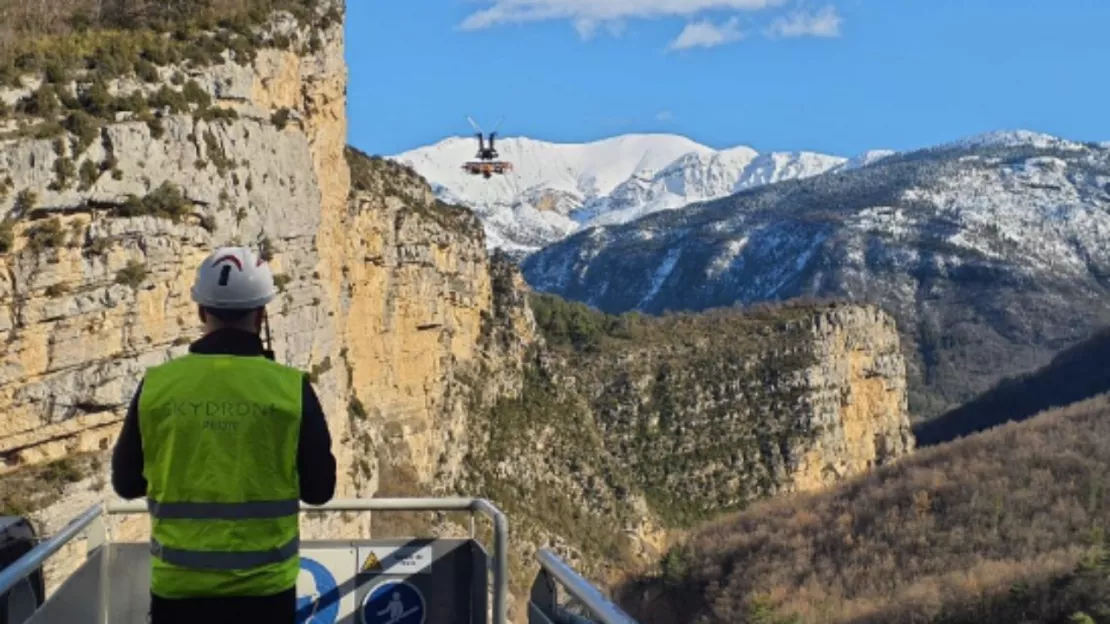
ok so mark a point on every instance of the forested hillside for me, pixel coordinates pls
(1002, 527)
(1078, 373)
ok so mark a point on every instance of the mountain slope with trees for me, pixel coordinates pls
(991, 254)
(1002, 527)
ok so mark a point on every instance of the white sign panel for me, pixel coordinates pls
(400, 560)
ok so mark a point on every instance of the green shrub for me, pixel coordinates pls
(9, 75)
(280, 118)
(266, 247)
(215, 152)
(85, 127)
(56, 72)
(167, 201)
(319, 369)
(89, 174)
(147, 71)
(42, 102)
(157, 128)
(281, 280)
(132, 275)
(35, 487)
(169, 98)
(216, 113)
(64, 171)
(193, 93)
(133, 102)
(68, 100)
(7, 235)
(160, 52)
(26, 200)
(315, 44)
(47, 234)
(96, 100)
(99, 246)
(44, 130)
(76, 232)
(116, 57)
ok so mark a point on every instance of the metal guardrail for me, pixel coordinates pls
(30, 562)
(554, 571)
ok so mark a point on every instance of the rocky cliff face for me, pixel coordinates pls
(630, 429)
(96, 274)
(385, 293)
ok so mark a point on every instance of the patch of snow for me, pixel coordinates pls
(662, 273)
(869, 157)
(1016, 138)
(725, 258)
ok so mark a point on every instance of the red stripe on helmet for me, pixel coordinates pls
(238, 264)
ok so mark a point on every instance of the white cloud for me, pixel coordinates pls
(665, 115)
(825, 23)
(587, 28)
(706, 34)
(586, 15)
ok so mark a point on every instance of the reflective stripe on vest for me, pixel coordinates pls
(220, 436)
(223, 511)
(224, 560)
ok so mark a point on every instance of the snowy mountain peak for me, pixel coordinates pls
(869, 157)
(1015, 138)
(556, 189)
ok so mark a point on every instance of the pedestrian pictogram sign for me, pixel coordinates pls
(394, 602)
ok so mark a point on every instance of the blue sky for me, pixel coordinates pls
(840, 77)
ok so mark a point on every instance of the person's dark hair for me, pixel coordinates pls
(228, 316)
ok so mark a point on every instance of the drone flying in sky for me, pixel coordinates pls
(487, 162)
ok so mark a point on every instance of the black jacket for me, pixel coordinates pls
(315, 462)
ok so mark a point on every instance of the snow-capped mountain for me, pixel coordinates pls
(992, 253)
(557, 189)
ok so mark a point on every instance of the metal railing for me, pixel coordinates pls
(29, 563)
(554, 573)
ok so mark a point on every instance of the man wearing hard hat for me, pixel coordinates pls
(224, 442)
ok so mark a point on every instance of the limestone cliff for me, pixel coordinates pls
(385, 293)
(630, 429)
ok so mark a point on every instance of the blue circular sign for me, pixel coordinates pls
(393, 602)
(322, 605)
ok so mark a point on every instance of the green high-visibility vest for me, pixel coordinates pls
(219, 437)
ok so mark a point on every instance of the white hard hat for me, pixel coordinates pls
(234, 278)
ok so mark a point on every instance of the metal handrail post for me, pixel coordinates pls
(600, 606)
(28, 563)
(501, 559)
